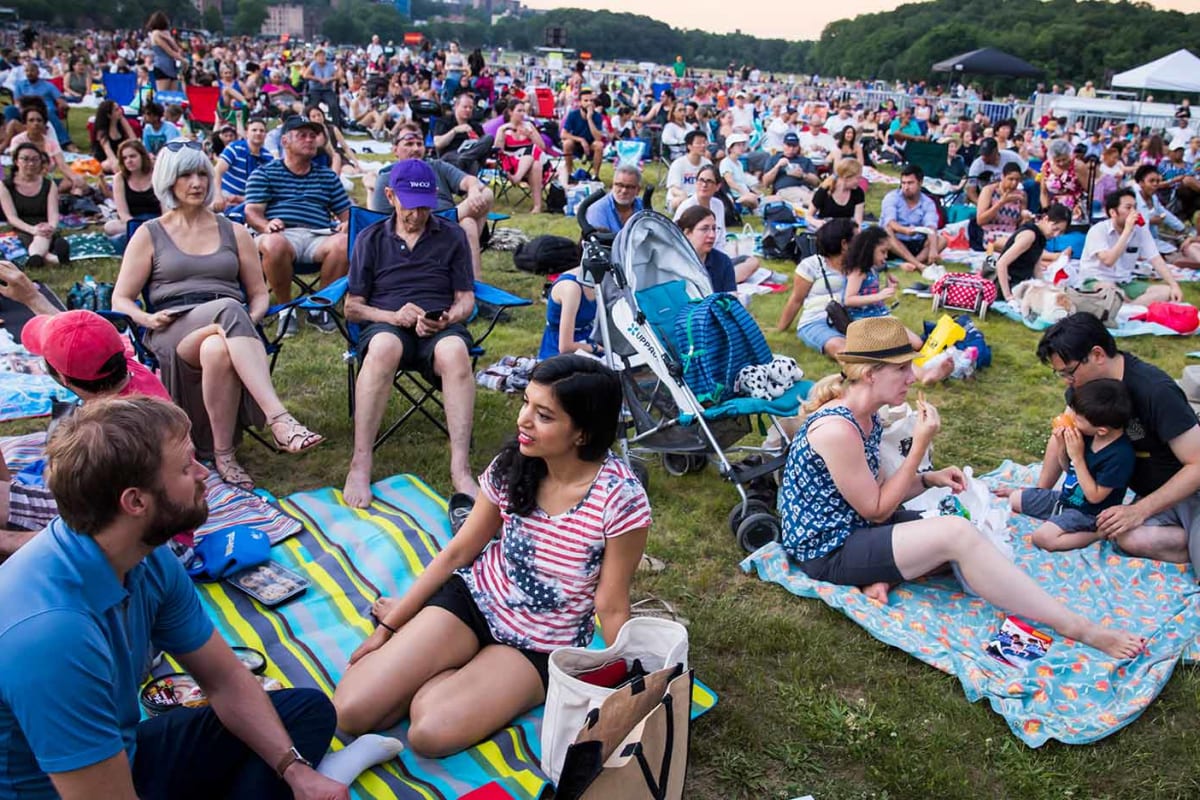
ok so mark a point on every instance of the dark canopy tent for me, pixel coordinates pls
(989, 61)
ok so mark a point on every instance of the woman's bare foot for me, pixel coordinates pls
(1118, 644)
(877, 592)
(381, 607)
(357, 491)
(937, 373)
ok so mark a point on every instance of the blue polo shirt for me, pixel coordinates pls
(603, 213)
(74, 646)
(310, 200)
(41, 88)
(387, 274)
(896, 209)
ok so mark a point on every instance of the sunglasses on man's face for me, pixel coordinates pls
(179, 144)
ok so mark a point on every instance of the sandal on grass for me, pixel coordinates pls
(231, 471)
(297, 438)
(651, 564)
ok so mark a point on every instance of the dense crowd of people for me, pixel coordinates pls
(213, 225)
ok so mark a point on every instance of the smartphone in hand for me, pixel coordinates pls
(435, 314)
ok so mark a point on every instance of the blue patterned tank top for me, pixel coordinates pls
(816, 518)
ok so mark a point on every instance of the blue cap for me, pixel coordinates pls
(222, 553)
(414, 184)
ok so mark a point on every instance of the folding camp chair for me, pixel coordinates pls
(120, 87)
(422, 395)
(202, 103)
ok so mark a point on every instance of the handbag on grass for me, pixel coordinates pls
(836, 314)
(635, 745)
(654, 643)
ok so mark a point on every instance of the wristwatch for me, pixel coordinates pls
(292, 756)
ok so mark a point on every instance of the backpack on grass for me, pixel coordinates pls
(717, 338)
(542, 255)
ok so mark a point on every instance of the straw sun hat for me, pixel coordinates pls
(877, 340)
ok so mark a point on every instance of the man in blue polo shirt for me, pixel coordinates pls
(411, 289)
(237, 163)
(612, 211)
(86, 602)
(911, 220)
(32, 85)
(299, 211)
(583, 132)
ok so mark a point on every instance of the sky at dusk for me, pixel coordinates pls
(791, 20)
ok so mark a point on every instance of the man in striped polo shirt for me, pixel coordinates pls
(299, 211)
(237, 162)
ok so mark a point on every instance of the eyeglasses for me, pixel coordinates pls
(705, 180)
(629, 187)
(1067, 373)
(29, 160)
(179, 144)
(705, 229)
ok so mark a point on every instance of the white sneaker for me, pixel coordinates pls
(287, 324)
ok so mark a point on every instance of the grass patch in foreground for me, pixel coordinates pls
(809, 702)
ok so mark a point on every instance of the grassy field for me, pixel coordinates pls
(809, 702)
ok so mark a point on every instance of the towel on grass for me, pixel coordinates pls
(351, 557)
(1127, 328)
(1075, 694)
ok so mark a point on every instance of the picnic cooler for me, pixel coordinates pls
(656, 643)
(964, 292)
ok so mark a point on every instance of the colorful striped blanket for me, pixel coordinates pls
(1074, 694)
(351, 557)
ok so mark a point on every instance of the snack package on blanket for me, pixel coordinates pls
(974, 503)
(896, 443)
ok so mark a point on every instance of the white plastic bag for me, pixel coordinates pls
(741, 244)
(898, 425)
(657, 643)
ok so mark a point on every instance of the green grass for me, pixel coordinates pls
(809, 702)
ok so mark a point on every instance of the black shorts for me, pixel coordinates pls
(158, 75)
(455, 597)
(915, 245)
(418, 350)
(865, 557)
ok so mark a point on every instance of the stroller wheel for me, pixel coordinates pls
(677, 463)
(754, 507)
(697, 463)
(757, 530)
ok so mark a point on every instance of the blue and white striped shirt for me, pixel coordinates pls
(241, 164)
(301, 201)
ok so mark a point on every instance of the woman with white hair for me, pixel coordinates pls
(1064, 178)
(206, 304)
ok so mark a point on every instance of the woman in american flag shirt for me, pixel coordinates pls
(552, 541)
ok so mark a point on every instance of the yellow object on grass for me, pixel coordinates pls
(944, 334)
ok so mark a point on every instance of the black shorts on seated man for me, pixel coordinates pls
(1163, 522)
(411, 289)
(83, 606)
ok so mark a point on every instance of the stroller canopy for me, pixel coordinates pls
(651, 250)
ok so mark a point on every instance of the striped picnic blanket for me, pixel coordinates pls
(351, 557)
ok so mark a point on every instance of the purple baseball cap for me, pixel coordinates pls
(414, 184)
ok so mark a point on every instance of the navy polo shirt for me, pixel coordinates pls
(74, 646)
(387, 274)
(576, 125)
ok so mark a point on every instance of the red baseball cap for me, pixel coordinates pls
(76, 343)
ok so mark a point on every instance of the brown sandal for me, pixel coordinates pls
(297, 438)
(231, 471)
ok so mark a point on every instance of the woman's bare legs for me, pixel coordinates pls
(535, 186)
(925, 545)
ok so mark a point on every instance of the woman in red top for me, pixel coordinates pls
(519, 143)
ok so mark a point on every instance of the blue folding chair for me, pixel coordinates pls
(411, 385)
(120, 87)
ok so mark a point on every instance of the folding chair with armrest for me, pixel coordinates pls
(410, 384)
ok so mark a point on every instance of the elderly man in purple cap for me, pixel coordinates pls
(411, 289)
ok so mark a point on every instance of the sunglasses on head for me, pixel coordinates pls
(179, 144)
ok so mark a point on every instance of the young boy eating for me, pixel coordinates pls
(1098, 463)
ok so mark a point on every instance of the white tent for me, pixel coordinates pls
(1178, 72)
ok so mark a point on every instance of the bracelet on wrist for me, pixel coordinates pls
(387, 627)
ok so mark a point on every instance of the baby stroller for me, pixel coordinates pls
(650, 273)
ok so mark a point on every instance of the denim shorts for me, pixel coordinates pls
(1045, 504)
(816, 334)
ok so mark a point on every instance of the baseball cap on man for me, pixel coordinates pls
(77, 344)
(414, 184)
(295, 122)
(791, 138)
(988, 146)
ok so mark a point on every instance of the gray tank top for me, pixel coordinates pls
(174, 273)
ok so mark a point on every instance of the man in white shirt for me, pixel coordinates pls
(1113, 248)
(843, 119)
(1147, 181)
(681, 177)
(815, 139)
(782, 123)
(374, 49)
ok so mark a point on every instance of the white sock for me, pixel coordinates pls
(366, 751)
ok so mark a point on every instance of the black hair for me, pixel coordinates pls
(1112, 200)
(16, 155)
(153, 107)
(1011, 167)
(860, 255)
(1103, 402)
(1145, 169)
(114, 371)
(31, 102)
(915, 170)
(834, 234)
(590, 394)
(1057, 212)
(1073, 337)
(692, 136)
